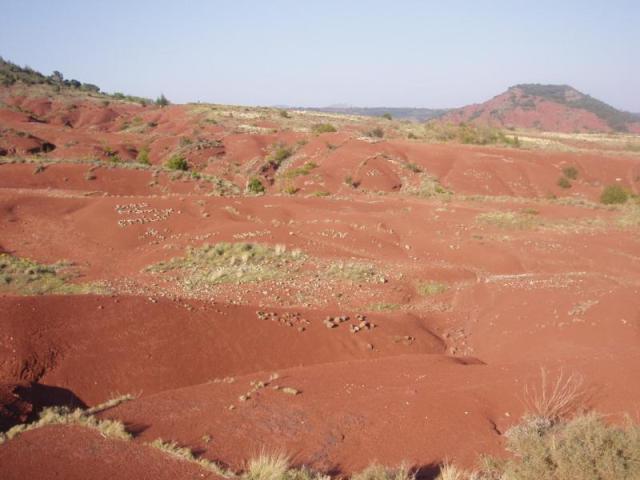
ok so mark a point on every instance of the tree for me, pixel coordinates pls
(162, 100)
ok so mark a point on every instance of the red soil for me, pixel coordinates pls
(441, 376)
(514, 108)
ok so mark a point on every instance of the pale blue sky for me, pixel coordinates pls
(365, 53)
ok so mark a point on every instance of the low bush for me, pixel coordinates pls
(570, 172)
(375, 133)
(279, 155)
(563, 182)
(614, 194)
(177, 162)
(323, 128)
(255, 186)
(143, 156)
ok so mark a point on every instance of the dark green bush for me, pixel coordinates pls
(177, 162)
(375, 133)
(323, 128)
(614, 194)
(563, 182)
(570, 172)
(162, 100)
(255, 186)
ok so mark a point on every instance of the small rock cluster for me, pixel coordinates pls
(149, 214)
(361, 323)
(288, 319)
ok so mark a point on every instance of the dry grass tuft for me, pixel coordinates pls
(511, 220)
(267, 467)
(355, 272)
(65, 416)
(184, 453)
(428, 289)
(555, 399)
(379, 472)
(448, 471)
(112, 402)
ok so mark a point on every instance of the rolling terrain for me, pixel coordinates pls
(344, 289)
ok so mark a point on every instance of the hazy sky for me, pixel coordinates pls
(316, 53)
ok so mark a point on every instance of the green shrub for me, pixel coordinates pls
(570, 172)
(614, 194)
(387, 116)
(284, 114)
(303, 170)
(279, 155)
(177, 162)
(255, 186)
(323, 128)
(143, 156)
(563, 182)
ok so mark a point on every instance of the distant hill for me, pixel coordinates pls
(559, 108)
(399, 113)
(12, 74)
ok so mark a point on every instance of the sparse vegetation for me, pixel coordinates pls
(379, 472)
(413, 167)
(383, 307)
(508, 219)
(321, 193)
(65, 416)
(303, 170)
(279, 155)
(323, 128)
(563, 182)
(238, 263)
(186, 454)
(570, 172)
(255, 186)
(10, 73)
(428, 289)
(614, 194)
(25, 277)
(469, 134)
(376, 132)
(143, 156)
(429, 187)
(355, 272)
(177, 162)
(583, 448)
(349, 181)
(556, 399)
